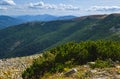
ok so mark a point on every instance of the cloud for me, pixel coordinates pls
(104, 8)
(42, 5)
(67, 7)
(7, 2)
(3, 8)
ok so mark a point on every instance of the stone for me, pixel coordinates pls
(93, 71)
(70, 72)
(86, 66)
(117, 76)
(91, 62)
(117, 66)
(117, 62)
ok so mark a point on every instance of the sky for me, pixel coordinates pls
(59, 7)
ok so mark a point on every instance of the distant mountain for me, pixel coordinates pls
(6, 21)
(66, 17)
(44, 17)
(37, 17)
(33, 37)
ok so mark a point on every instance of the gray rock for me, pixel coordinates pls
(93, 71)
(117, 76)
(70, 72)
(117, 67)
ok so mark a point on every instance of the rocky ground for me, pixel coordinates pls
(85, 72)
(13, 67)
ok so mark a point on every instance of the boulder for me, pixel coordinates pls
(70, 72)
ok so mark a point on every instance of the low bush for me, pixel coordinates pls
(71, 54)
(101, 64)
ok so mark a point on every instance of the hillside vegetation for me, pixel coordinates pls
(30, 38)
(73, 54)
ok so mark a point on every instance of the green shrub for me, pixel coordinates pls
(101, 64)
(71, 54)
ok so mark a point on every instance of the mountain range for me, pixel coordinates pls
(34, 37)
(6, 21)
(44, 17)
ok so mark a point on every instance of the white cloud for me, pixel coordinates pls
(42, 5)
(104, 8)
(67, 7)
(3, 8)
(7, 2)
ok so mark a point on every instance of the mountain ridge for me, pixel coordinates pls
(6, 21)
(44, 17)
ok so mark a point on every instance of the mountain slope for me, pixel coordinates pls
(33, 37)
(6, 21)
